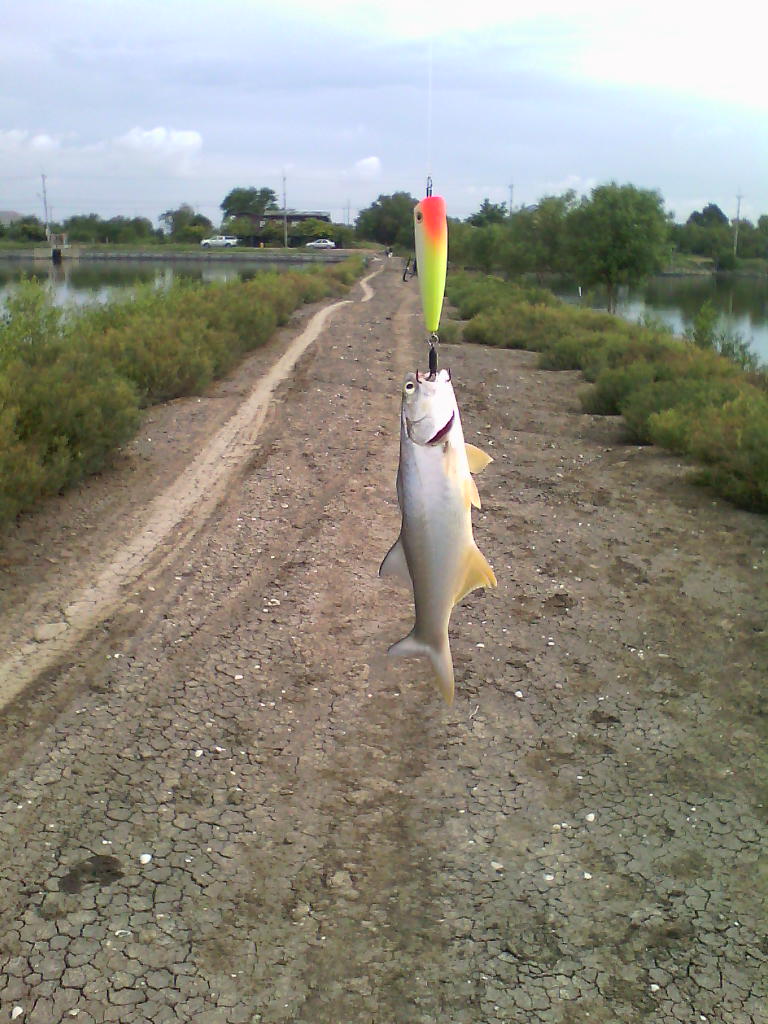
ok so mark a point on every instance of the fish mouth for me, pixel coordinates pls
(440, 435)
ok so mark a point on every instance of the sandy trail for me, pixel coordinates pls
(225, 805)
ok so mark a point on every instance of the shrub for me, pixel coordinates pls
(731, 441)
(701, 394)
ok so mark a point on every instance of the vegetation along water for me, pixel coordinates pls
(73, 380)
(703, 396)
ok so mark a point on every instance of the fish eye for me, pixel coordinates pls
(419, 215)
(410, 387)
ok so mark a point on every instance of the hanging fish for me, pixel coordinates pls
(435, 554)
(430, 228)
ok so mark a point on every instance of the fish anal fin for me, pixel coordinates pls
(395, 565)
(472, 495)
(477, 458)
(477, 573)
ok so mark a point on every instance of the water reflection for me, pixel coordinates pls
(742, 303)
(80, 283)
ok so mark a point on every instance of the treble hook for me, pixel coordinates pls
(429, 186)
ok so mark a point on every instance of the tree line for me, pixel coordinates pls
(242, 209)
(616, 235)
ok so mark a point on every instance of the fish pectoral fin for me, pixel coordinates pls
(477, 458)
(478, 573)
(394, 564)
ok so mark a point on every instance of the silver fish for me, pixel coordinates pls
(435, 554)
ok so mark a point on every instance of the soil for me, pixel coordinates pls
(221, 802)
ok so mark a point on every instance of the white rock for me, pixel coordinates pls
(497, 866)
(590, 817)
(519, 694)
(16, 1012)
(145, 858)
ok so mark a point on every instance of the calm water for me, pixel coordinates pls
(741, 301)
(80, 283)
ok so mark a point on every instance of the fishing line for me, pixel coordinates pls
(429, 117)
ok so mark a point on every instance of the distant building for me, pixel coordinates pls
(292, 216)
(9, 216)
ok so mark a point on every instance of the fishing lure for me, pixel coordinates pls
(430, 228)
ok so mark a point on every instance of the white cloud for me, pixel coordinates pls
(21, 143)
(366, 169)
(167, 146)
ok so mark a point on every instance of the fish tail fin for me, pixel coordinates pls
(442, 663)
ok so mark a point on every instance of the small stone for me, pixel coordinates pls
(497, 866)
(49, 631)
(590, 817)
(145, 858)
(519, 694)
(587, 875)
(16, 1012)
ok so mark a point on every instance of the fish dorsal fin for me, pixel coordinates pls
(477, 573)
(477, 458)
(394, 564)
(471, 491)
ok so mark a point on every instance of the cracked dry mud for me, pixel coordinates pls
(224, 805)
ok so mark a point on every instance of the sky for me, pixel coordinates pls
(134, 107)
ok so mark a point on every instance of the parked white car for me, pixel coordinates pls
(219, 241)
(321, 243)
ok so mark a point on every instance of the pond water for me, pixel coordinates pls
(742, 303)
(99, 281)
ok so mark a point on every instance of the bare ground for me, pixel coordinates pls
(221, 803)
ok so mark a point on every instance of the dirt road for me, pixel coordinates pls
(221, 804)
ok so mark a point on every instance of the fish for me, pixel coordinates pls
(435, 554)
(430, 229)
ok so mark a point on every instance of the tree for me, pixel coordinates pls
(710, 217)
(184, 225)
(619, 235)
(489, 213)
(389, 220)
(26, 229)
(252, 202)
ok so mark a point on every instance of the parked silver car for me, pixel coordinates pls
(321, 243)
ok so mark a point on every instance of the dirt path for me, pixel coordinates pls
(223, 804)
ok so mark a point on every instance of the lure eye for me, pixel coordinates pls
(419, 216)
(410, 387)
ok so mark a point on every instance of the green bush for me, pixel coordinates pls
(702, 394)
(731, 441)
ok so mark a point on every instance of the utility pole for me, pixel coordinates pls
(348, 208)
(511, 191)
(45, 205)
(285, 217)
(739, 197)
